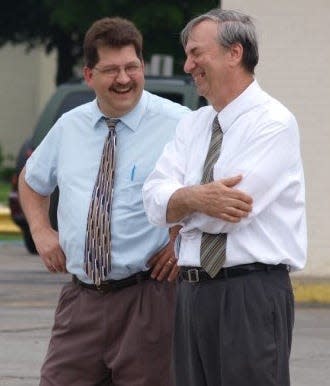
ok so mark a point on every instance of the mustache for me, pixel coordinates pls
(121, 87)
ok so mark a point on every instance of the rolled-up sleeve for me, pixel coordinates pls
(165, 179)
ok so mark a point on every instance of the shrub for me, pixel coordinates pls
(7, 168)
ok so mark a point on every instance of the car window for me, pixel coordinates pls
(73, 100)
(60, 103)
(175, 97)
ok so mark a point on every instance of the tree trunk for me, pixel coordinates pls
(66, 60)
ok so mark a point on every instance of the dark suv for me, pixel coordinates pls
(68, 96)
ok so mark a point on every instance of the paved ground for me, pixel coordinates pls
(28, 295)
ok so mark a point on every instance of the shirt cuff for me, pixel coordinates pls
(157, 202)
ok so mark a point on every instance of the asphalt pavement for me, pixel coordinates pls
(28, 296)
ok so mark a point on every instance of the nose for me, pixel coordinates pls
(188, 65)
(122, 77)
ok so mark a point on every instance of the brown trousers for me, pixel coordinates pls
(121, 338)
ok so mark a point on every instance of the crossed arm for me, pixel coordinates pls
(217, 199)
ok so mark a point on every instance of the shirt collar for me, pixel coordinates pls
(252, 96)
(97, 114)
(131, 119)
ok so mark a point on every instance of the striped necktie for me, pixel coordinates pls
(213, 247)
(97, 262)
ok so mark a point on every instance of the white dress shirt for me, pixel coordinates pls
(261, 143)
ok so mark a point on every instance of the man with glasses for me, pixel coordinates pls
(113, 323)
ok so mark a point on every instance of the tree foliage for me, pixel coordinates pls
(61, 24)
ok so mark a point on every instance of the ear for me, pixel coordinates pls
(88, 76)
(236, 54)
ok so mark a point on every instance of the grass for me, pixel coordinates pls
(4, 192)
(10, 237)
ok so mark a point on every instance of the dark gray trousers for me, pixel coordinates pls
(234, 331)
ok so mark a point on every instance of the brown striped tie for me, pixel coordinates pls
(98, 236)
(213, 247)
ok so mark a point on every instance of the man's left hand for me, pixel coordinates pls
(164, 264)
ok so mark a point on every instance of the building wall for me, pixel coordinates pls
(294, 67)
(26, 82)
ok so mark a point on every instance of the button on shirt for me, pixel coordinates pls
(261, 143)
(69, 157)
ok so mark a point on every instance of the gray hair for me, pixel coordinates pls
(234, 27)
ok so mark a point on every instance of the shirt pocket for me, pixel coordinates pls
(129, 193)
(128, 185)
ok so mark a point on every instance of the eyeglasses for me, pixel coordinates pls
(131, 70)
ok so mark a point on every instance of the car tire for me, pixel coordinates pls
(28, 241)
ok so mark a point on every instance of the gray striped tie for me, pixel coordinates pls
(213, 247)
(98, 237)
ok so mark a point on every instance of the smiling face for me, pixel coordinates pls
(117, 79)
(207, 61)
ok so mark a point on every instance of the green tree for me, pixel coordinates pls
(61, 24)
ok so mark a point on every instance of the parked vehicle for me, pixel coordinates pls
(68, 96)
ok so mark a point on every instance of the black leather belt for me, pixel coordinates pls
(114, 285)
(197, 274)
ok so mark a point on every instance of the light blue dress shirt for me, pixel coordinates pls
(69, 157)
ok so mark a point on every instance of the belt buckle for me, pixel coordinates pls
(193, 275)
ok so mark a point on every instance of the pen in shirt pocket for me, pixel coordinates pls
(133, 172)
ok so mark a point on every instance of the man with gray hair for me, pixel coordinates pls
(233, 179)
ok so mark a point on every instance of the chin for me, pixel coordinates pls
(125, 107)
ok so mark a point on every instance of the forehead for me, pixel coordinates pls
(202, 34)
(117, 55)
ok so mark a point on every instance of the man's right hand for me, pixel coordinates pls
(36, 208)
(217, 199)
(47, 243)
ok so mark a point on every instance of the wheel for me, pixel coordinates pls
(28, 241)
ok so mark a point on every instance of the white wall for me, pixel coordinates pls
(294, 67)
(27, 80)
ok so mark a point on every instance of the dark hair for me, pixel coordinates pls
(234, 27)
(110, 32)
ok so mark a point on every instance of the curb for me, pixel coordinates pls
(310, 290)
(307, 290)
(7, 226)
